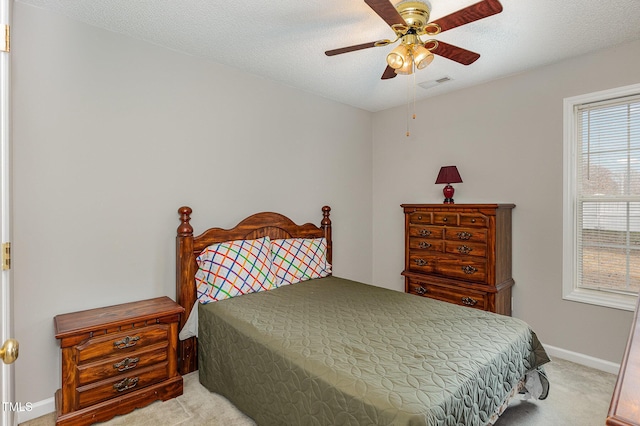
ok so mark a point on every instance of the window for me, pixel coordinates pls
(602, 198)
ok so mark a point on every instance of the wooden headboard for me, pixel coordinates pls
(188, 247)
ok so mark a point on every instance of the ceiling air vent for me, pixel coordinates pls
(432, 83)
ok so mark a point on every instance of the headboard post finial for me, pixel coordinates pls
(325, 216)
(326, 226)
(185, 229)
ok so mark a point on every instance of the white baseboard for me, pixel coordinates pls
(38, 409)
(48, 405)
(586, 360)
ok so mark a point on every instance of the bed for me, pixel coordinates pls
(331, 351)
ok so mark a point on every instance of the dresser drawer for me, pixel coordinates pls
(474, 219)
(473, 235)
(432, 232)
(131, 362)
(121, 385)
(466, 248)
(421, 218)
(422, 262)
(459, 296)
(426, 244)
(445, 218)
(463, 268)
(121, 343)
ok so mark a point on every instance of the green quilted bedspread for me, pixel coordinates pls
(336, 352)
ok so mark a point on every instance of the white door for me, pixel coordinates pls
(9, 348)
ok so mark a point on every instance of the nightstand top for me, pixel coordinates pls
(114, 316)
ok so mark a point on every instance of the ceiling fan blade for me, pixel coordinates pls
(469, 14)
(350, 48)
(388, 73)
(386, 11)
(455, 53)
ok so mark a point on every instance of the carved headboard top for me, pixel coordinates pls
(273, 225)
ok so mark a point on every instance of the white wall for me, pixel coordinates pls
(112, 135)
(506, 139)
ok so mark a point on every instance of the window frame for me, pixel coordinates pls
(570, 289)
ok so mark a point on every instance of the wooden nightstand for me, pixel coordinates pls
(116, 359)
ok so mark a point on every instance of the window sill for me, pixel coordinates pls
(610, 300)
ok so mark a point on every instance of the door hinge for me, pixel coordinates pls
(6, 256)
(7, 39)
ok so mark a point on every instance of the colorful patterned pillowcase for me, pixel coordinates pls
(299, 259)
(234, 267)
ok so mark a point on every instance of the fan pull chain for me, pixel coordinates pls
(414, 91)
(408, 107)
(409, 114)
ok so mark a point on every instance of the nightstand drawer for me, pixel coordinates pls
(120, 385)
(137, 360)
(463, 297)
(122, 343)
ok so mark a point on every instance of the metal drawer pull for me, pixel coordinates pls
(463, 235)
(464, 249)
(424, 232)
(469, 301)
(421, 290)
(419, 217)
(444, 219)
(128, 383)
(127, 342)
(473, 221)
(126, 364)
(421, 262)
(468, 269)
(424, 245)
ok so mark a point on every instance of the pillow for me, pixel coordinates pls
(299, 259)
(234, 267)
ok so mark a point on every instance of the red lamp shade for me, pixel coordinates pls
(448, 175)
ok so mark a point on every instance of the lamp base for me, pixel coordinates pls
(448, 194)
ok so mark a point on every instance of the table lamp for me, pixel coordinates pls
(448, 175)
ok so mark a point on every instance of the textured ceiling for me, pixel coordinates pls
(285, 40)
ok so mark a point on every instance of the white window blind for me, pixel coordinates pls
(607, 202)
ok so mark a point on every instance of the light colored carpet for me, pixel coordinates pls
(578, 396)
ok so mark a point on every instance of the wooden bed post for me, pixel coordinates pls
(185, 294)
(326, 225)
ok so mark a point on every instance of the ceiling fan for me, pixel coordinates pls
(409, 19)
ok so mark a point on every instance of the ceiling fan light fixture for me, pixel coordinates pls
(407, 68)
(422, 56)
(397, 58)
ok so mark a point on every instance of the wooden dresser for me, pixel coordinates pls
(460, 253)
(116, 359)
(625, 402)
